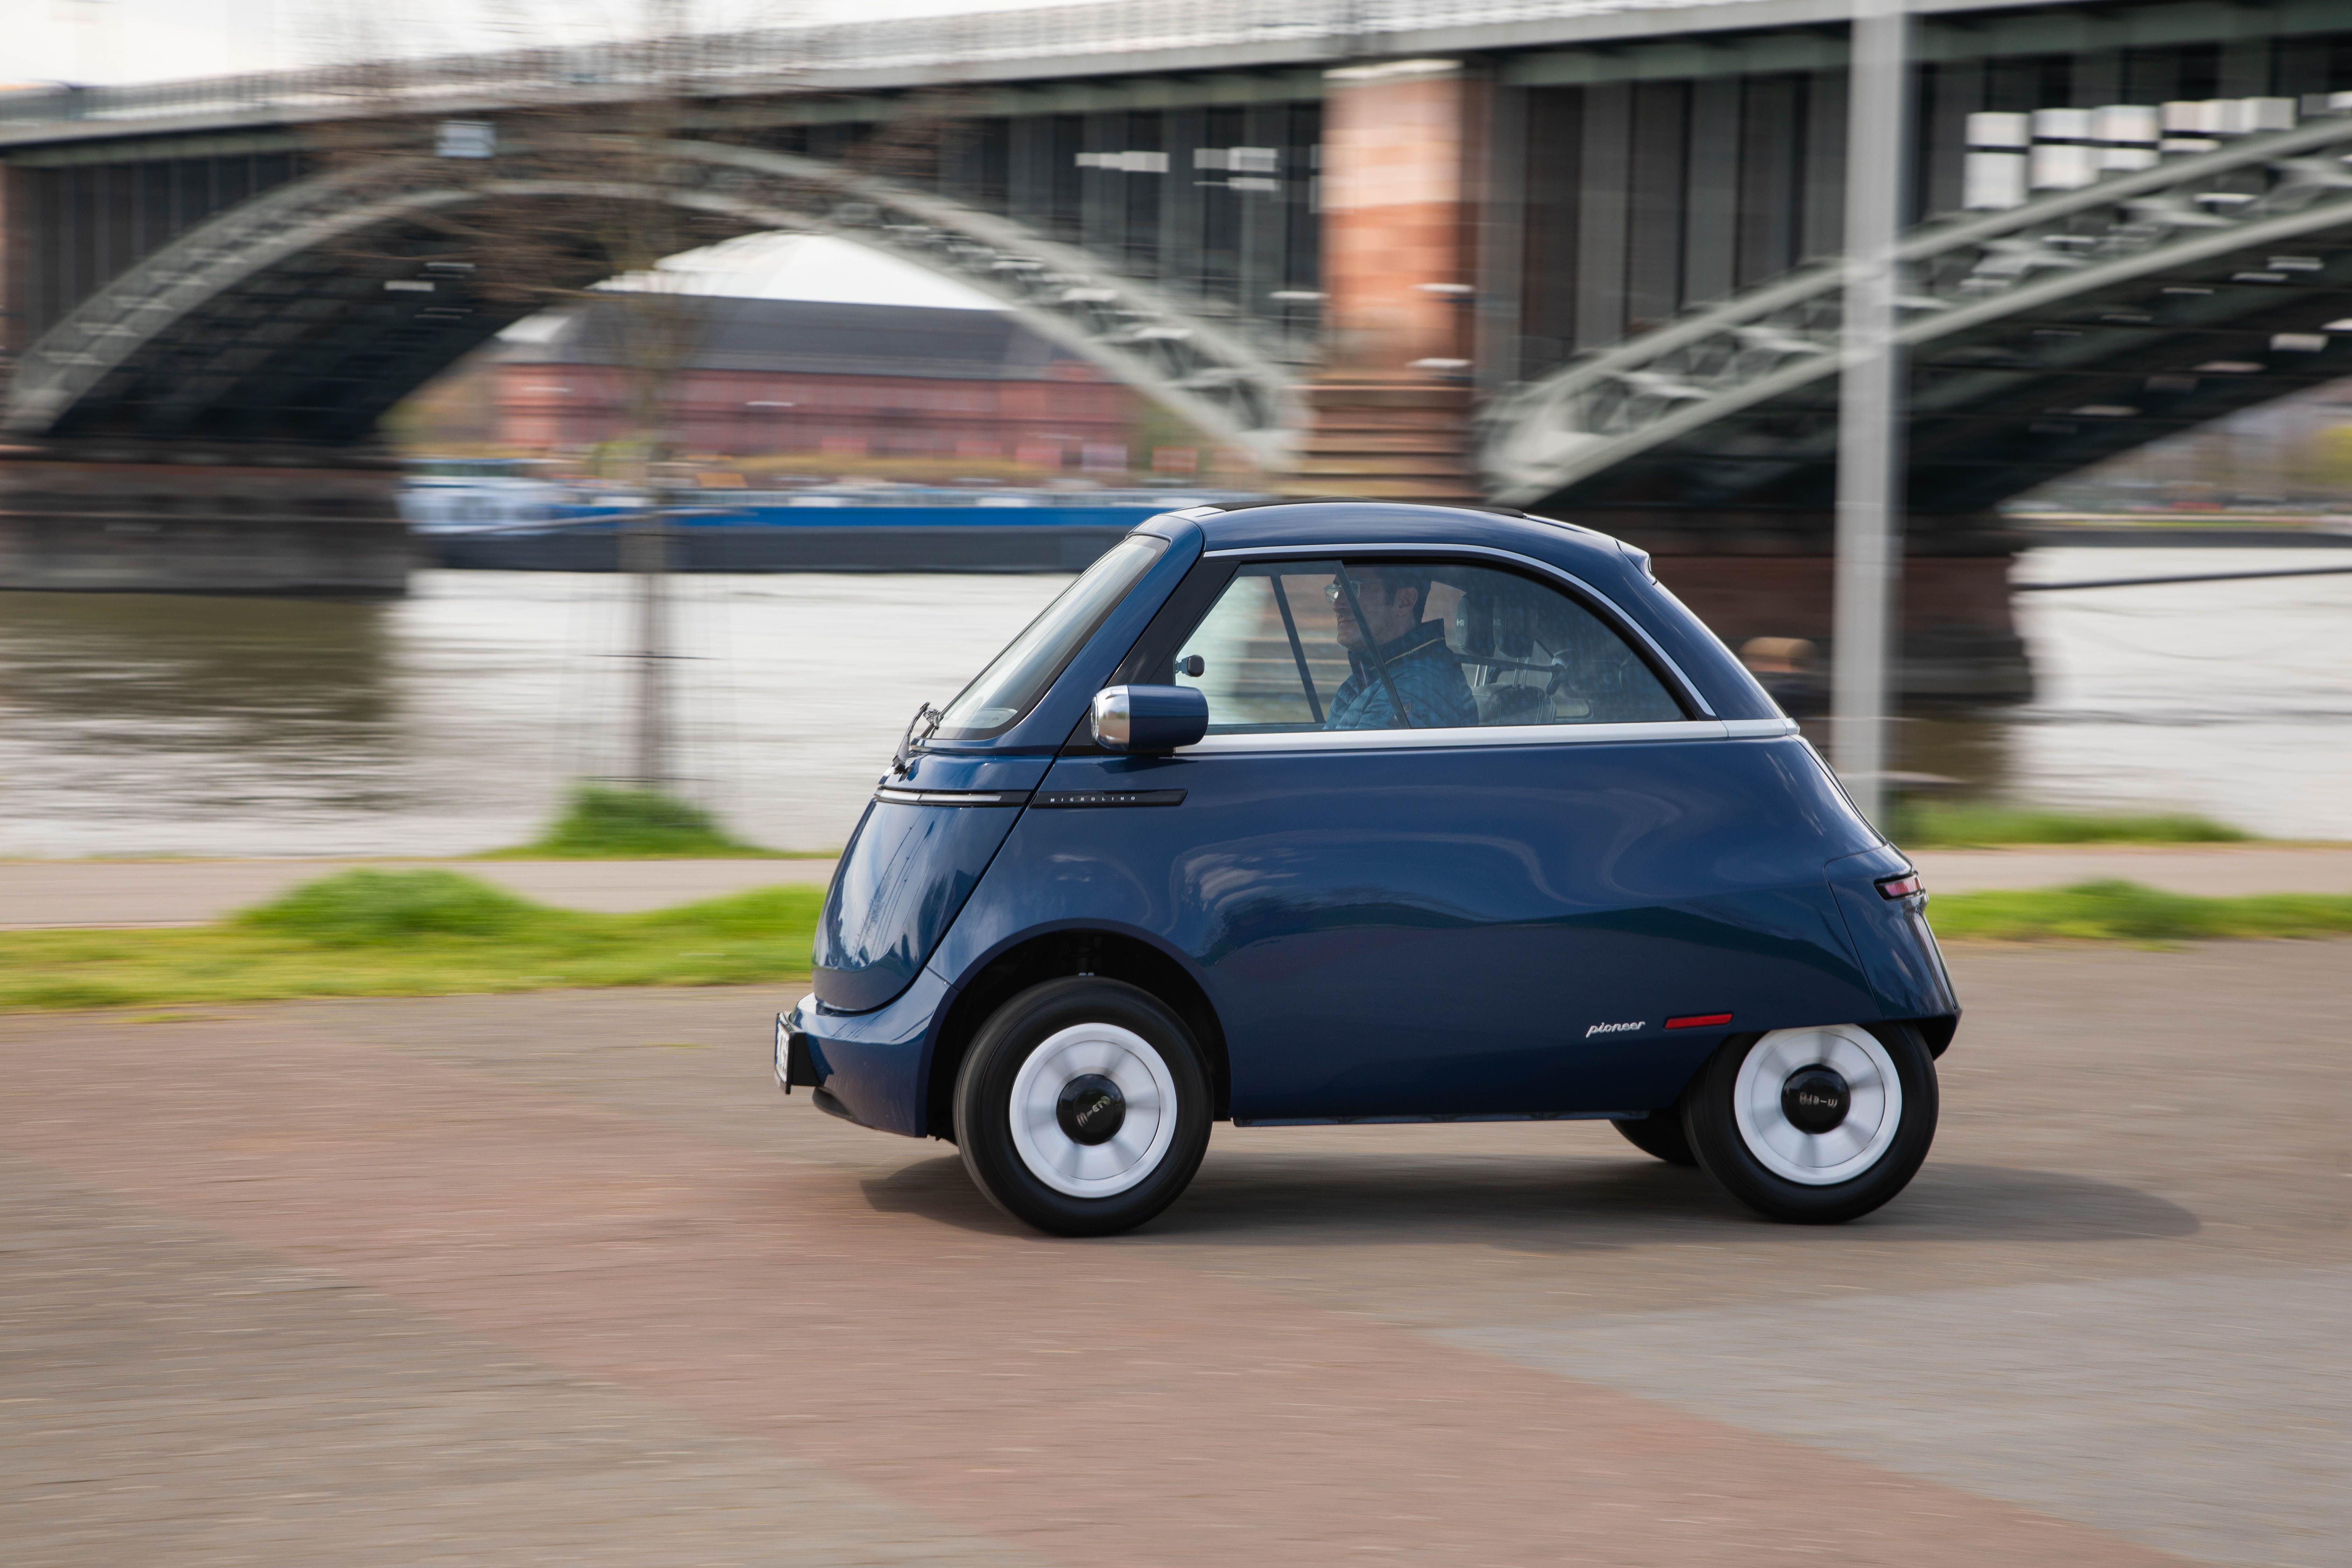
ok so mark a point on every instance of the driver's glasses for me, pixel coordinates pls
(1333, 590)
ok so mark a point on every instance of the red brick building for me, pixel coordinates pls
(791, 376)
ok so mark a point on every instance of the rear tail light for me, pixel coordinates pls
(1901, 886)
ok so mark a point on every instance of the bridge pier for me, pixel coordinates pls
(1391, 413)
(1750, 575)
(79, 517)
(1403, 184)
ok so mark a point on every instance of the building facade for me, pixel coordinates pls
(793, 377)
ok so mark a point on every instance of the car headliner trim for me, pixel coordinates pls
(1625, 622)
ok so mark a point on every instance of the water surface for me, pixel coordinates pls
(451, 722)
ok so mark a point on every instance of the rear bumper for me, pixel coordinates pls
(872, 1067)
(1900, 961)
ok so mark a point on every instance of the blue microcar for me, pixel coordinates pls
(1353, 810)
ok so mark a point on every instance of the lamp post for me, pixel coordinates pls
(1870, 416)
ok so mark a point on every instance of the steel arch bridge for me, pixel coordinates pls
(2040, 340)
(275, 319)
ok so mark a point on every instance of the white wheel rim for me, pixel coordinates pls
(1874, 1110)
(1142, 1141)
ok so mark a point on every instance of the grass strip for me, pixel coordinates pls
(433, 934)
(601, 822)
(411, 933)
(1968, 825)
(2128, 911)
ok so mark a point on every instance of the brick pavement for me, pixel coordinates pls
(559, 1272)
(175, 1396)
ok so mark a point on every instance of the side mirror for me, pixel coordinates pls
(1148, 718)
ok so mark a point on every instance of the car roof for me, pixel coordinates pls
(1337, 523)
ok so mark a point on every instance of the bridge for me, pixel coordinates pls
(1579, 257)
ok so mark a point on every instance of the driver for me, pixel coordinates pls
(1420, 671)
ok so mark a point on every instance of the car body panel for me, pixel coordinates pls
(906, 872)
(908, 867)
(952, 771)
(1382, 936)
(1899, 954)
(872, 1064)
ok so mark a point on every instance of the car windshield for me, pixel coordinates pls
(1016, 678)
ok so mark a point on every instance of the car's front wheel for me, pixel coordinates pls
(1818, 1125)
(1083, 1107)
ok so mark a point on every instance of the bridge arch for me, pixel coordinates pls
(270, 311)
(2042, 339)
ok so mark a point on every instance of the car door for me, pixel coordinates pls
(1495, 913)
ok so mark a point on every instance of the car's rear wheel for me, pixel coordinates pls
(1659, 1133)
(1817, 1125)
(1083, 1107)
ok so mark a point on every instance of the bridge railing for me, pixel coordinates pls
(753, 61)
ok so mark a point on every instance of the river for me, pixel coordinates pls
(453, 720)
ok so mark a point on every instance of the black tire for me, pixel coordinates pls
(1886, 1152)
(1659, 1133)
(1081, 1024)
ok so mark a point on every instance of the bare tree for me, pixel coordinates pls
(596, 238)
(592, 132)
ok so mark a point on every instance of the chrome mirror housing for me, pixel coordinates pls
(1148, 718)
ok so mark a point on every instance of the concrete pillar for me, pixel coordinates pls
(200, 521)
(1391, 405)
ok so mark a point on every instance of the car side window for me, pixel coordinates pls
(1406, 642)
(1265, 655)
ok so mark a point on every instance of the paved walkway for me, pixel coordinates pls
(559, 1277)
(190, 892)
(2214, 870)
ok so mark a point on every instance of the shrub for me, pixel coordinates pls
(381, 908)
(601, 821)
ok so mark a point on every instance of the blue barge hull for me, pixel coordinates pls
(880, 539)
